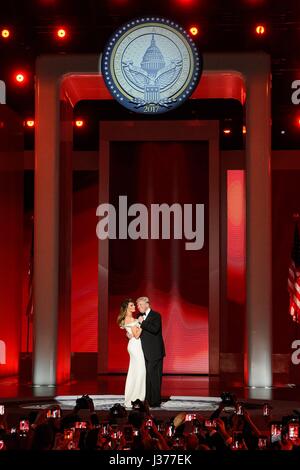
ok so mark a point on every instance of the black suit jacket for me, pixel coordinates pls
(151, 337)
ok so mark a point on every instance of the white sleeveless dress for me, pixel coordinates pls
(135, 387)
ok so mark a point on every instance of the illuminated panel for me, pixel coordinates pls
(11, 238)
(236, 236)
(84, 325)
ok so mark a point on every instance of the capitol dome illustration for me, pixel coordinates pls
(153, 60)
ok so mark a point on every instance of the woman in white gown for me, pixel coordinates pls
(135, 387)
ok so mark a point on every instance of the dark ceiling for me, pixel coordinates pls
(224, 26)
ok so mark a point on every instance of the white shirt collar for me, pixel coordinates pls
(147, 312)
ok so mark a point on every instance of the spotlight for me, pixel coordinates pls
(194, 30)
(20, 78)
(260, 29)
(5, 33)
(29, 123)
(282, 132)
(226, 131)
(79, 123)
(244, 130)
(61, 33)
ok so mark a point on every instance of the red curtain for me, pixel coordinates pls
(175, 279)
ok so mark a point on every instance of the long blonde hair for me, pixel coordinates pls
(123, 311)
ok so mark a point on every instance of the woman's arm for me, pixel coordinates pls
(136, 331)
(129, 336)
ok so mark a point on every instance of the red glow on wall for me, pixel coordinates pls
(186, 3)
(254, 3)
(236, 235)
(48, 2)
(120, 3)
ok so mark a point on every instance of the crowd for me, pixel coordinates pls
(230, 427)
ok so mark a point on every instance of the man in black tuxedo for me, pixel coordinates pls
(153, 348)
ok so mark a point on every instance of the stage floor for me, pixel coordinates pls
(11, 388)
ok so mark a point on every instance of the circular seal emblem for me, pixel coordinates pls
(151, 65)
